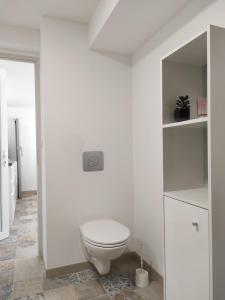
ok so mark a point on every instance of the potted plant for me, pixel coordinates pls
(182, 111)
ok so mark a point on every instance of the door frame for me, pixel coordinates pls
(35, 59)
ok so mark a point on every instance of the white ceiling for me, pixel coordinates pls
(127, 27)
(133, 21)
(27, 13)
(20, 90)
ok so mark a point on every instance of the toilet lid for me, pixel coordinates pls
(105, 232)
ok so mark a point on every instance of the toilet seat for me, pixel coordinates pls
(105, 233)
(105, 245)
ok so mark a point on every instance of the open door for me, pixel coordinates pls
(4, 179)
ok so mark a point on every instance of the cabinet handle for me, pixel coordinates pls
(196, 225)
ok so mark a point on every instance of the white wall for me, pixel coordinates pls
(147, 133)
(86, 102)
(100, 17)
(14, 38)
(27, 135)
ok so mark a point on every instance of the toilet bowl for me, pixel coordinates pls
(103, 240)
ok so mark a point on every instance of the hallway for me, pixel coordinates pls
(21, 271)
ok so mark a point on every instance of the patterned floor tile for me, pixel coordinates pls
(6, 278)
(62, 293)
(128, 295)
(27, 225)
(115, 282)
(101, 297)
(26, 213)
(6, 266)
(28, 268)
(88, 290)
(56, 282)
(26, 221)
(6, 289)
(27, 241)
(39, 296)
(6, 284)
(83, 276)
(23, 252)
(29, 203)
(153, 291)
(14, 231)
(28, 288)
(33, 217)
(8, 248)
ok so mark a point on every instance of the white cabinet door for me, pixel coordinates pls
(186, 251)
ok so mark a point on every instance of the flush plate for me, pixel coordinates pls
(93, 161)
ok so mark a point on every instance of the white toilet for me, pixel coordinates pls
(103, 240)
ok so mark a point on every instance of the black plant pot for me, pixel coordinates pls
(182, 114)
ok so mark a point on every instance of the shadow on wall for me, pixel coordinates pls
(143, 249)
(120, 58)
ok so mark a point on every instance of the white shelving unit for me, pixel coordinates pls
(194, 170)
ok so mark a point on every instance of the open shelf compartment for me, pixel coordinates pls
(185, 155)
(184, 73)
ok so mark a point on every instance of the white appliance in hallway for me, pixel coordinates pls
(13, 189)
(14, 152)
(4, 179)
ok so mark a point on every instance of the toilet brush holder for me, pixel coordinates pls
(141, 278)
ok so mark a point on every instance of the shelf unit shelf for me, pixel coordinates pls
(198, 122)
(197, 197)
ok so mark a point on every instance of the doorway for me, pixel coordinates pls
(22, 207)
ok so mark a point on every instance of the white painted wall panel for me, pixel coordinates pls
(86, 98)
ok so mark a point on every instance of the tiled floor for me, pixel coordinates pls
(22, 275)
